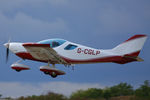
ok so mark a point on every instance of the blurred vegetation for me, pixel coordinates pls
(91, 94)
(122, 91)
(143, 91)
(48, 96)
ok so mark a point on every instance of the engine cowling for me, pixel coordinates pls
(19, 67)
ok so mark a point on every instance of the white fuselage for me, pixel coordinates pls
(81, 53)
(73, 53)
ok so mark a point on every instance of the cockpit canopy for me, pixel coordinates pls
(53, 42)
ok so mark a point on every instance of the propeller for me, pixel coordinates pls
(7, 54)
(7, 50)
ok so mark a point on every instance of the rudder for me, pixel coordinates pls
(132, 46)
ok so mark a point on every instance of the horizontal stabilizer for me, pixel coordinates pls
(134, 58)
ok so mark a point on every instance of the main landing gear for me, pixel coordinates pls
(52, 71)
(48, 70)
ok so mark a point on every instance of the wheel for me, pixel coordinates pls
(53, 75)
(18, 70)
(46, 73)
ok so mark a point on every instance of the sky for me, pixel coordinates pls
(99, 24)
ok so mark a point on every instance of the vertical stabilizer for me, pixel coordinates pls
(132, 46)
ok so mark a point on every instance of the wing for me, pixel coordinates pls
(44, 52)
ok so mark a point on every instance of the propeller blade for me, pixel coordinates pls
(7, 54)
(7, 50)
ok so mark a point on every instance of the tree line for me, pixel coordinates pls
(122, 91)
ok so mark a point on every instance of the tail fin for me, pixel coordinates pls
(131, 47)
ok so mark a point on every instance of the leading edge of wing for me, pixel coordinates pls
(35, 45)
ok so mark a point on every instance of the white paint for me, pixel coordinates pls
(130, 46)
(16, 47)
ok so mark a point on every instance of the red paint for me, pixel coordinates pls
(86, 51)
(25, 55)
(135, 37)
(91, 52)
(79, 50)
(97, 52)
(135, 54)
(36, 45)
(97, 60)
(19, 68)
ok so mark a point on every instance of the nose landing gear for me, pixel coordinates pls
(19, 67)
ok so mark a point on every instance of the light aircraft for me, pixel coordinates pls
(60, 51)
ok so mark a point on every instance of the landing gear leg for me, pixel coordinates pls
(53, 66)
(53, 73)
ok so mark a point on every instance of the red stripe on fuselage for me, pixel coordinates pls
(115, 59)
(97, 60)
